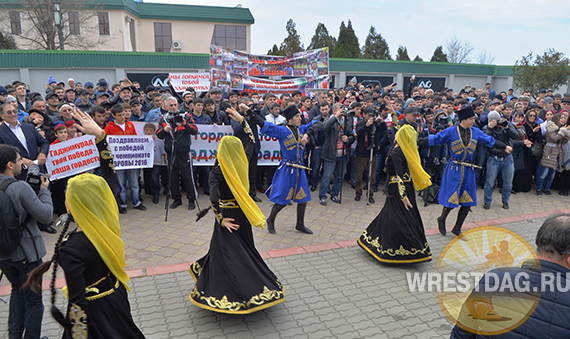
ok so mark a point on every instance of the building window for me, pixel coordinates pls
(162, 36)
(104, 28)
(233, 37)
(74, 25)
(15, 23)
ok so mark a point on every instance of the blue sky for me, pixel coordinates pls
(507, 29)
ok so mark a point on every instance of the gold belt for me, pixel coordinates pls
(232, 203)
(396, 179)
(98, 295)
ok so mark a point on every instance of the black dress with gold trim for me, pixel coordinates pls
(98, 304)
(396, 235)
(232, 277)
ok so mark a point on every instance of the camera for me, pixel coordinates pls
(175, 118)
(34, 178)
(504, 123)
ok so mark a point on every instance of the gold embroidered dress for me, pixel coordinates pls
(232, 277)
(396, 235)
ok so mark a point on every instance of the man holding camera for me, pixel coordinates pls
(367, 131)
(499, 159)
(176, 128)
(26, 306)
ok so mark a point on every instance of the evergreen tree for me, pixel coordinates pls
(322, 39)
(438, 55)
(292, 43)
(375, 46)
(417, 58)
(347, 45)
(7, 42)
(402, 54)
(274, 51)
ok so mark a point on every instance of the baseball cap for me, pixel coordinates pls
(11, 98)
(100, 94)
(134, 102)
(88, 84)
(215, 90)
(50, 94)
(3, 90)
(103, 83)
(494, 102)
(82, 92)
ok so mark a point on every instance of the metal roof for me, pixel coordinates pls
(146, 10)
(148, 60)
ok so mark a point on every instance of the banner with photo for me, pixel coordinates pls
(235, 70)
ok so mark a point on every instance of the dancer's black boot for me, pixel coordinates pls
(461, 216)
(441, 220)
(271, 219)
(301, 219)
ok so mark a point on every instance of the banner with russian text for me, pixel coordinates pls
(205, 146)
(199, 81)
(72, 157)
(132, 151)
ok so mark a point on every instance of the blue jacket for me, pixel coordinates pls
(550, 318)
(153, 115)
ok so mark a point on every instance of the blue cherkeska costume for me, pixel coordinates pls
(290, 180)
(458, 186)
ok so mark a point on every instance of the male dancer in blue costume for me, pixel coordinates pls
(458, 186)
(290, 179)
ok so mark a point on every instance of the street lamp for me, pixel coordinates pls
(58, 23)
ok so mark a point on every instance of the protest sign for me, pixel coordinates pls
(151, 127)
(71, 157)
(205, 146)
(199, 81)
(132, 151)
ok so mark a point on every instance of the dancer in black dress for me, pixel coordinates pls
(92, 256)
(232, 277)
(396, 235)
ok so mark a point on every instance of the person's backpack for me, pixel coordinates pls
(430, 194)
(10, 228)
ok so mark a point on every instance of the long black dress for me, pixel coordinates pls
(396, 235)
(104, 301)
(232, 277)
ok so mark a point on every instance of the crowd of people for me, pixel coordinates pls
(445, 140)
(359, 124)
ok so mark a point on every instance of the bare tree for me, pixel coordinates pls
(39, 30)
(485, 58)
(457, 51)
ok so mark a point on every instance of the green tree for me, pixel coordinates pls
(322, 39)
(417, 58)
(438, 55)
(292, 43)
(274, 51)
(347, 45)
(7, 42)
(402, 54)
(550, 70)
(375, 46)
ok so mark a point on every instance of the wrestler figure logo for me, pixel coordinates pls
(493, 294)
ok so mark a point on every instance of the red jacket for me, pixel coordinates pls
(113, 129)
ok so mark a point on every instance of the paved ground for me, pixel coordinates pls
(151, 242)
(339, 293)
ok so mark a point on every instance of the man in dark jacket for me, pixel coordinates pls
(179, 161)
(367, 132)
(316, 145)
(26, 306)
(551, 317)
(500, 160)
(338, 138)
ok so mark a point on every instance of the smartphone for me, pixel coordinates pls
(394, 84)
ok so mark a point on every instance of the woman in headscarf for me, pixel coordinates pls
(232, 277)
(92, 256)
(521, 147)
(557, 135)
(397, 234)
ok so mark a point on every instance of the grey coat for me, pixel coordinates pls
(556, 138)
(40, 208)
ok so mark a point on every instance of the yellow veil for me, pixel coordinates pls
(234, 165)
(406, 138)
(95, 211)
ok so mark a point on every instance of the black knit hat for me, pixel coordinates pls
(465, 113)
(290, 112)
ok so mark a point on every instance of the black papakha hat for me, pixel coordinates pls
(290, 112)
(466, 113)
